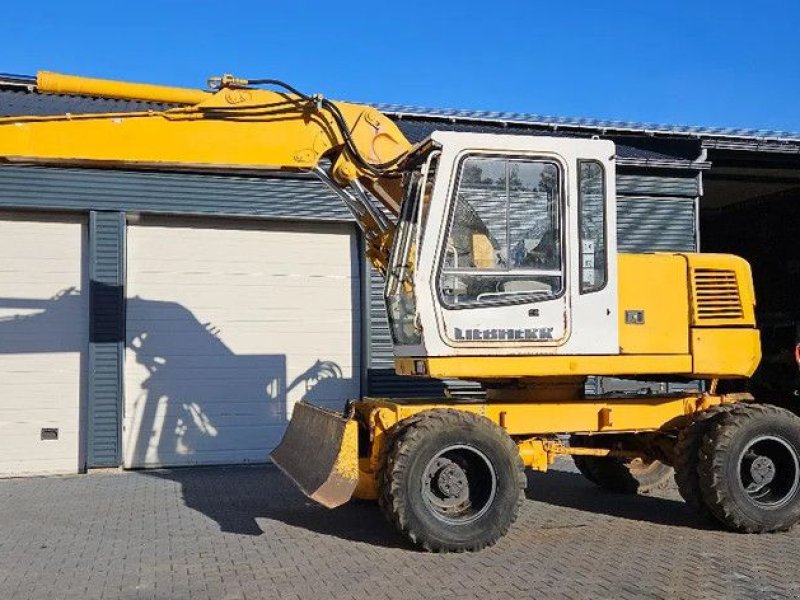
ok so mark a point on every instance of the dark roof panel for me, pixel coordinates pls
(24, 102)
(588, 124)
(643, 148)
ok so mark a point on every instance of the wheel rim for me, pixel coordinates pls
(459, 484)
(769, 472)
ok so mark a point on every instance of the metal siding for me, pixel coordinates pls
(381, 353)
(169, 193)
(651, 224)
(658, 185)
(106, 326)
(382, 381)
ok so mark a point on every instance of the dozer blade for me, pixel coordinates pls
(319, 452)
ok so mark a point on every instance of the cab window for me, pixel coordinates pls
(592, 219)
(504, 239)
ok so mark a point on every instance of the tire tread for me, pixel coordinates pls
(716, 442)
(396, 456)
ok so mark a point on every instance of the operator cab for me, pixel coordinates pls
(506, 244)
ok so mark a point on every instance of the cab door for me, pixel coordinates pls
(502, 278)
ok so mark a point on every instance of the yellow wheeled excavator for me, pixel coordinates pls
(501, 266)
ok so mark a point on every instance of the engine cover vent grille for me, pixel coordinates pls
(716, 295)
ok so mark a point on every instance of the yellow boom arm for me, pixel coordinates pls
(235, 128)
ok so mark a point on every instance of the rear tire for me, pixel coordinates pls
(451, 481)
(619, 475)
(749, 468)
(687, 457)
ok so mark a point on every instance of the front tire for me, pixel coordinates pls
(749, 468)
(451, 481)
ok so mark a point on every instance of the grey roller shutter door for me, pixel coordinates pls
(652, 224)
(657, 213)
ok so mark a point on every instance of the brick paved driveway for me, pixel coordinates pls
(244, 532)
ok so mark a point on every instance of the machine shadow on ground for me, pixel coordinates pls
(571, 490)
(237, 497)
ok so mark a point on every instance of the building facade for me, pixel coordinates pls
(155, 319)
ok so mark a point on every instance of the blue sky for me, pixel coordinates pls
(729, 63)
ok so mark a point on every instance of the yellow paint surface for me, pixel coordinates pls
(657, 285)
(726, 351)
(492, 367)
(643, 413)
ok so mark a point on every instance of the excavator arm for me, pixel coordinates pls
(236, 127)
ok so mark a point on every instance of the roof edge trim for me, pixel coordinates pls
(602, 127)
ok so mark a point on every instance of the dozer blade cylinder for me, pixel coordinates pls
(319, 452)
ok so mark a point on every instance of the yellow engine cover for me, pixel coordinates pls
(697, 304)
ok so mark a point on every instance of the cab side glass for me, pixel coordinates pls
(592, 218)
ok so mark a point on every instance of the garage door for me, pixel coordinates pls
(43, 343)
(227, 327)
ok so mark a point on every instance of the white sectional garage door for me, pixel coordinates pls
(227, 327)
(43, 343)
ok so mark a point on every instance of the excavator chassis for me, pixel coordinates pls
(535, 427)
(439, 467)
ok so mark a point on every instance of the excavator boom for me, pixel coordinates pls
(235, 128)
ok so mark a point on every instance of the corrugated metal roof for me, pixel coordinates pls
(21, 101)
(570, 123)
(642, 149)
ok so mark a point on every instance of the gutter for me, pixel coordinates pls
(18, 81)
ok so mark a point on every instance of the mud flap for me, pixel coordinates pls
(319, 452)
